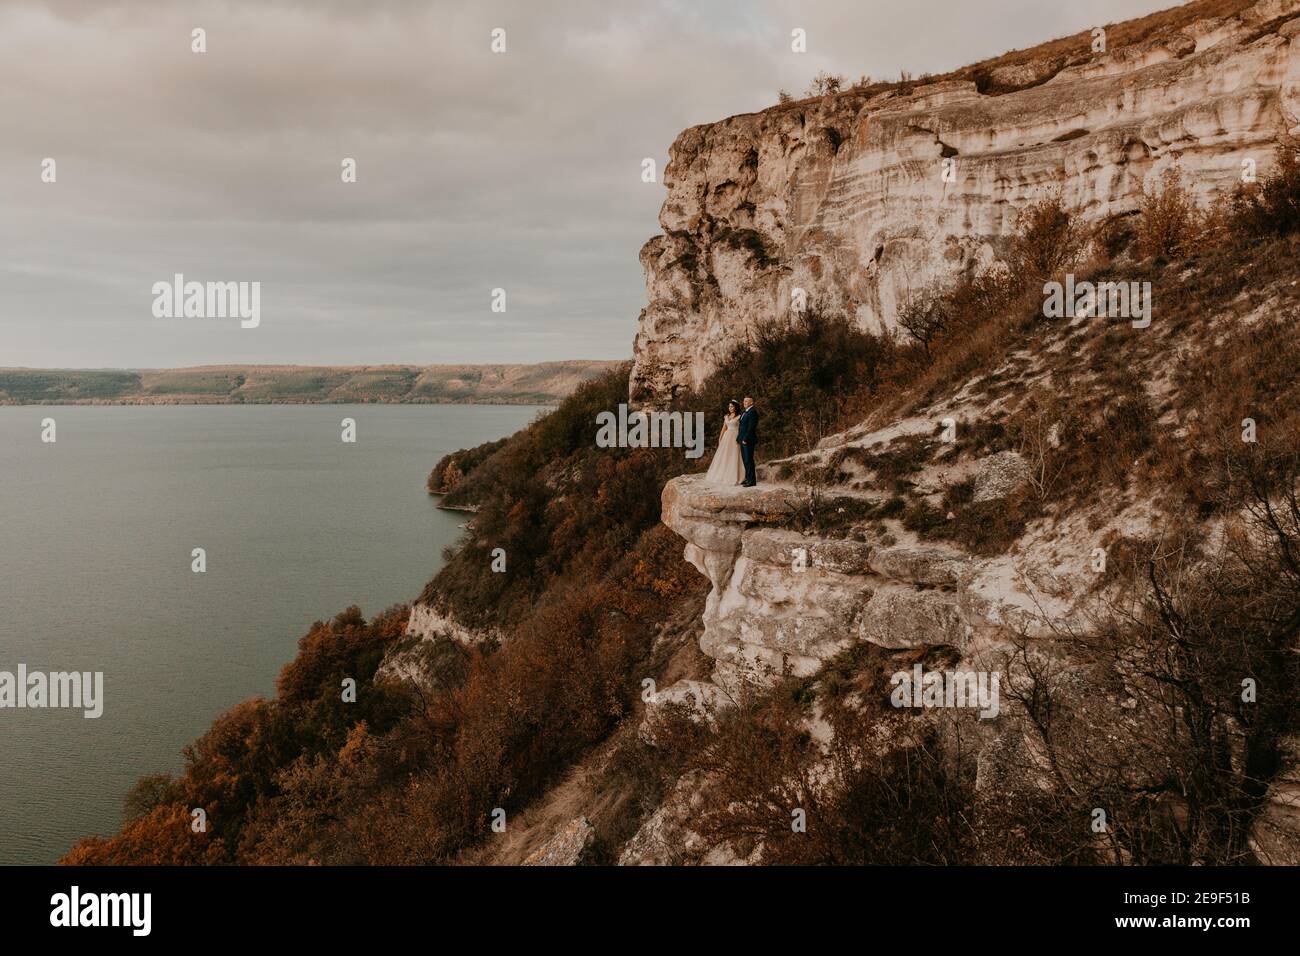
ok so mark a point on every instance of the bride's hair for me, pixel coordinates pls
(733, 405)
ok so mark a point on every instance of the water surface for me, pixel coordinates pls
(96, 535)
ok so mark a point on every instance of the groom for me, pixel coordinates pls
(747, 435)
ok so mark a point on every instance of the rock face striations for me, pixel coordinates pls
(784, 602)
(863, 199)
(939, 535)
(854, 202)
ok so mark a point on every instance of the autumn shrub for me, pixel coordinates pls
(150, 791)
(1048, 241)
(560, 507)
(771, 784)
(982, 528)
(552, 498)
(924, 317)
(162, 837)
(1271, 207)
(233, 768)
(1172, 225)
(1169, 222)
(568, 675)
(1181, 762)
(1074, 446)
(523, 714)
(454, 470)
(805, 372)
(1114, 235)
(1246, 387)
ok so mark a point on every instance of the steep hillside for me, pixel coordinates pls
(1104, 516)
(1096, 515)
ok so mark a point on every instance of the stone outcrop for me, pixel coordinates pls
(428, 620)
(846, 198)
(570, 845)
(700, 701)
(410, 659)
(1000, 475)
(784, 602)
(666, 837)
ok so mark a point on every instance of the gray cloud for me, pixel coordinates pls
(476, 171)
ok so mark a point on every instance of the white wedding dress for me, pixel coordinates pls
(727, 468)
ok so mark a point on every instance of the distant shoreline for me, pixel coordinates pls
(153, 403)
(541, 383)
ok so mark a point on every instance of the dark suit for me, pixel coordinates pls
(747, 435)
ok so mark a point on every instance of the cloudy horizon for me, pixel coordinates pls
(475, 170)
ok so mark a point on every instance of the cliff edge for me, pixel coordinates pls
(860, 200)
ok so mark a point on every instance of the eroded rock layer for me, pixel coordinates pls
(846, 197)
(784, 602)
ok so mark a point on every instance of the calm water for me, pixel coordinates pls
(96, 532)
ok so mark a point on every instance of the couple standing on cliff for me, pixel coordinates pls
(734, 462)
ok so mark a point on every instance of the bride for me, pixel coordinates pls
(727, 468)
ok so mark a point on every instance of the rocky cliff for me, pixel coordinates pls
(863, 198)
(1006, 506)
(784, 601)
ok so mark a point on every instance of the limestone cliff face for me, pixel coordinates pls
(409, 659)
(846, 197)
(784, 602)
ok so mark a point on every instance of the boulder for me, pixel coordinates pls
(699, 700)
(568, 846)
(1000, 476)
(666, 837)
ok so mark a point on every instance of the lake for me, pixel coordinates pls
(96, 535)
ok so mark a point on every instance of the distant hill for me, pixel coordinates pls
(543, 383)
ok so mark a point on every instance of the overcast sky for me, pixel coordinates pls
(475, 171)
